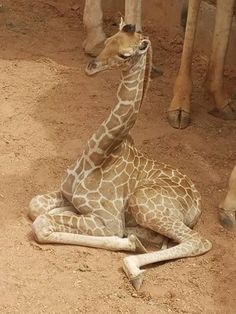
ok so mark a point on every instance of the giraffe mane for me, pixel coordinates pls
(147, 72)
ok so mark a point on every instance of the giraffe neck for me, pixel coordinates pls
(116, 127)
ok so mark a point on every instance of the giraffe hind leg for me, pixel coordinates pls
(162, 221)
(93, 20)
(225, 106)
(41, 204)
(192, 247)
(227, 213)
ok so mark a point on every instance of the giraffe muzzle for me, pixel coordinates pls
(91, 67)
(95, 66)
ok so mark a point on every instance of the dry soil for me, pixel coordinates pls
(48, 109)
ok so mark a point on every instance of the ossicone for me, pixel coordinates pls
(128, 28)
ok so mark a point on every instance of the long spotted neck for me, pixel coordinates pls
(116, 127)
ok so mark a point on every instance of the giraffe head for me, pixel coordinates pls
(121, 50)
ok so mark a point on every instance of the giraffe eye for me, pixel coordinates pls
(124, 55)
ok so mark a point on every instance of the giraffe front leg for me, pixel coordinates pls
(179, 110)
(227, 212)
(93, 21)
(225, 108)
(133, 13)
(44, 203)
(82, 230)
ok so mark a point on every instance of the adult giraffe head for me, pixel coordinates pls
(121, 50)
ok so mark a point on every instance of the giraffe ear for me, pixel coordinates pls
(128, 28)
(144, 45)
(122, 23)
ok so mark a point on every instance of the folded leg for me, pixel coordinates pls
(42, 204)
(89, 230)
(153, 214)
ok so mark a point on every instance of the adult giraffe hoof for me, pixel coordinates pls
(93, 48)
(179, 119)
(156, 71)
(227, 113)
(134, 274)
(228, 219)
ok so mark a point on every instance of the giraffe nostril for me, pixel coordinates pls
(92, 65)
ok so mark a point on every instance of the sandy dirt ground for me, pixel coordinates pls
(48, 109)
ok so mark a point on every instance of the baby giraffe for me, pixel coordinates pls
(113, 196)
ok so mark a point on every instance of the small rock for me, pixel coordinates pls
(84, 268)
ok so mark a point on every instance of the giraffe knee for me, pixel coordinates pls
(42, 228)
(35, 209)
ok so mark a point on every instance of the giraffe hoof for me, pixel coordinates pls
(93, 49)
(137, 281)
(139, 248)
(155, 71)
(179, 119)
(227, 113)
(133, 273)
(228, 219)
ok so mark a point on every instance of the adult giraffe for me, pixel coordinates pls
(93, 21)
(225, 108)
(228, 206)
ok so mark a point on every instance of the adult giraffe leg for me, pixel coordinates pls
(179, 110)
(225, 108)
(228, 206)
(133, 13)
(93, 21)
